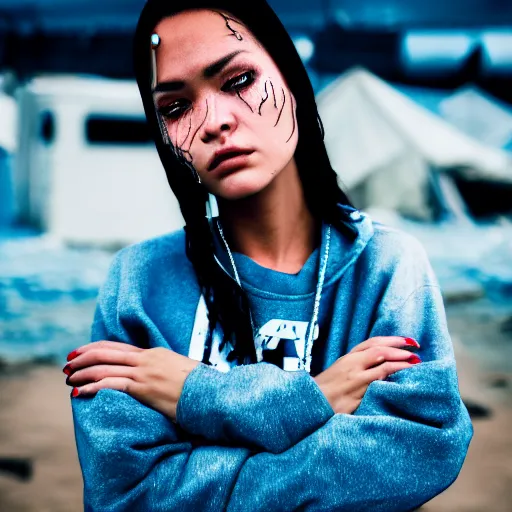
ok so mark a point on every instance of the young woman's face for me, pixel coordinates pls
(217, 89)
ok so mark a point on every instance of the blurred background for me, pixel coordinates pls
(416, 101)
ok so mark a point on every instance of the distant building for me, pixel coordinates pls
(87, 170)
(8, 129)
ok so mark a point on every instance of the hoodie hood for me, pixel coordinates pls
(291, 306)
(344, 252)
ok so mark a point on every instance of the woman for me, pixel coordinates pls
(274, 267)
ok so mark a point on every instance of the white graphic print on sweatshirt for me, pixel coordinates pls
(281, 342)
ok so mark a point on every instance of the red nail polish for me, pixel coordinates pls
(67, 370)
(72, 355)
(412, 342)
(74, 393)
(414, 359)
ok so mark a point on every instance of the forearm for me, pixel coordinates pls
(259, 406)
(230, 407)
(370, 460)
(133, 458)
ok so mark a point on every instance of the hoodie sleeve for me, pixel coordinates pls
(404, 444)
(239, 402)
(259, 406)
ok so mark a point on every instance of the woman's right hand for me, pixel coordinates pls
(345, 382)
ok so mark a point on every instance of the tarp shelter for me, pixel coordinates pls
(479, 115)
(391, 153)
(470, 109)
(8, 129)
(8, 122)
(88, 172)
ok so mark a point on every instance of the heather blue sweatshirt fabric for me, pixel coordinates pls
(258, 437)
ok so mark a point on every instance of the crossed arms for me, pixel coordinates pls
(259, 438)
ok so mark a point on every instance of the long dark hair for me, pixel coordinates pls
(226, 301)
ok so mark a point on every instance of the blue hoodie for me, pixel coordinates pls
(260, 437)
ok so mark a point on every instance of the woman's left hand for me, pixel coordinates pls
(154, 376)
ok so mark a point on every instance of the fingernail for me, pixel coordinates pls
(414, 359)
(74, 393)
(67, 370)
(72, 355)
(412, 342)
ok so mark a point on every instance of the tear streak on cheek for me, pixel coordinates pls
(188, 132)
(274, 94)
(282, 107)
(264, 99)
(293, 118)
(240, 96)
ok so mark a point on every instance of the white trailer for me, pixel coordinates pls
(8, 129)
(87, 172)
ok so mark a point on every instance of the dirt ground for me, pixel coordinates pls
(36, 423)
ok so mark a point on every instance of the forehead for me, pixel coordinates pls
(192, 39)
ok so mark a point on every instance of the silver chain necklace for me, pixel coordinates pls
(313, 329)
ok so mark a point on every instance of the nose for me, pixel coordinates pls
(218, 121)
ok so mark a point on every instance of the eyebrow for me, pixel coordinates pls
(209, 72)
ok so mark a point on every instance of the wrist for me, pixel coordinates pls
(324, 388)
(188, 395)
(186, 370)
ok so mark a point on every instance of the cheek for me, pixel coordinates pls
(277, 113)
(184, 130)
(266, 109)
(274, 103)
(263, 97)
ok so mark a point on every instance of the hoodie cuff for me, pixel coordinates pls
(256, 406)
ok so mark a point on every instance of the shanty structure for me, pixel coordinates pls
(479, 115)
(87, 171)
(471, 109)
(8, 130)
(391, 153)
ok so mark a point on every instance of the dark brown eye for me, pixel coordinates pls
(174, 110)
(239, 82)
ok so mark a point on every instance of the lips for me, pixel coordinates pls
(226, 154)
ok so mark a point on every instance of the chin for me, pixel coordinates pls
(241, 184)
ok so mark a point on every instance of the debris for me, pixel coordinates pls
(477, 411)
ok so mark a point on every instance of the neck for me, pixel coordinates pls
(273, 227)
